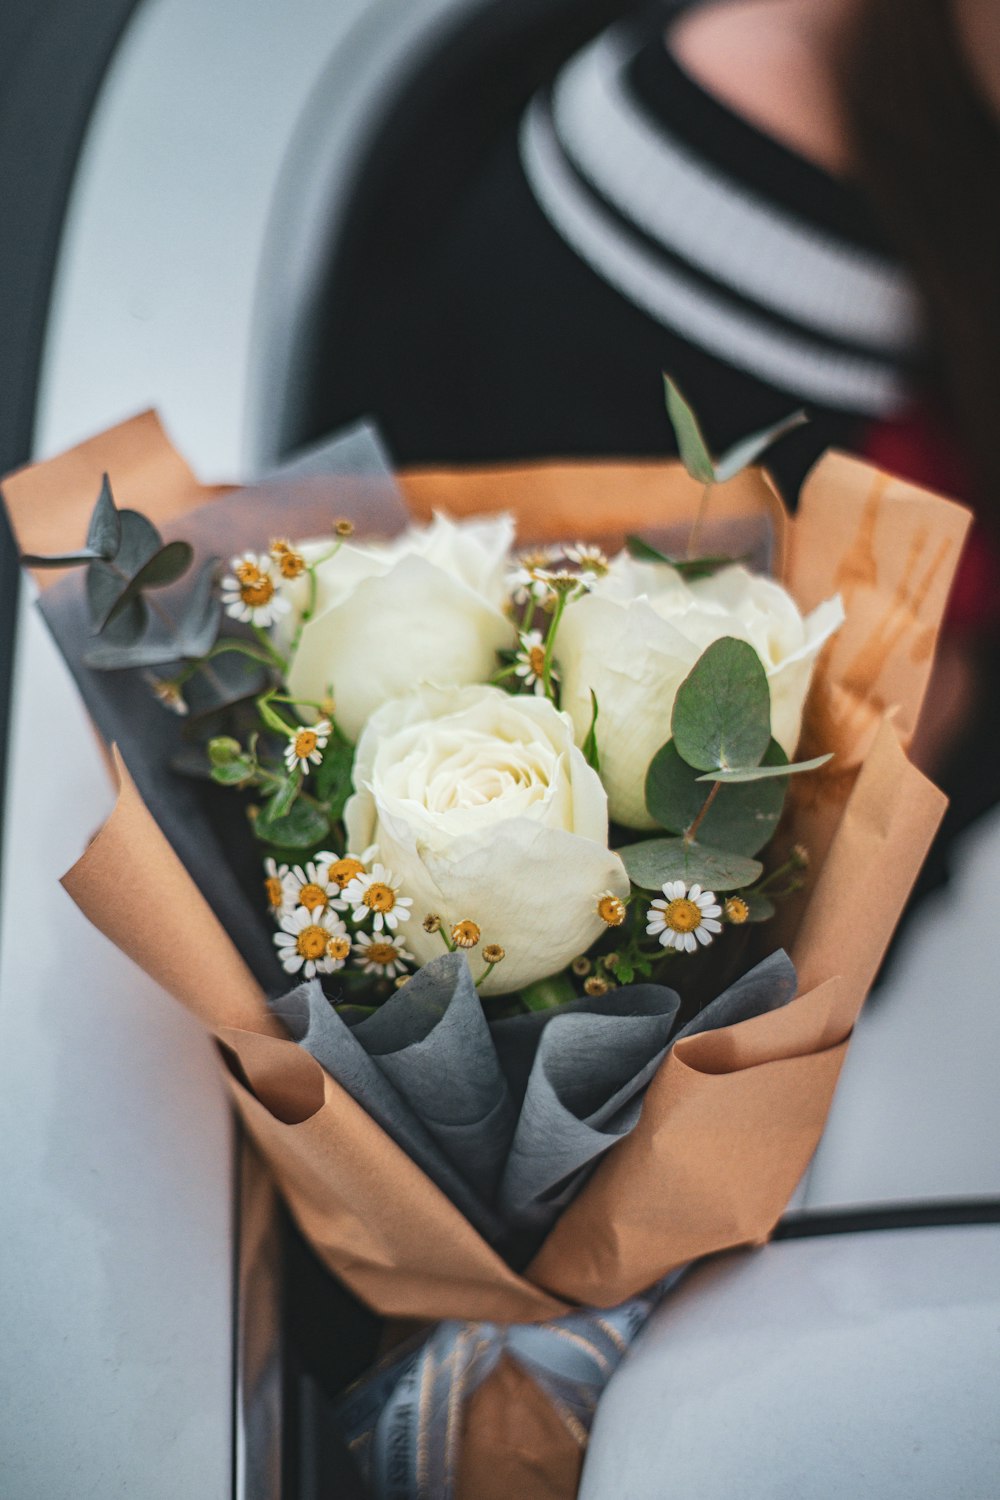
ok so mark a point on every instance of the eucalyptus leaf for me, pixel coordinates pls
(691, 445)
(301, 828)
(746, 452)
(722, 711)
(765, 773)
(591, 754)
(164, 567)
(106, 656)
(650, 863)
(199, 624)
(104, 534)
(690, 568)
(59, 559)
(109, 585)
(741, 818)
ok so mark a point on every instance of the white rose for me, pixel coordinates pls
(484, 810)
(635, 638)
(424, 607)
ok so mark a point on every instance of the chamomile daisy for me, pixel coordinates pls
(686, 917)
(275, 888)
(381, 955)
(341, 869)
(306, 745)
(304, 942)
(589, 558)
(529, 663)
(250, 593)
(309, 885)
(376, 894)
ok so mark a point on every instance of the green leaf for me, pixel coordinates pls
(59, 559)
(104, 534)
(127, 632)
(722, 712)
(223, 750)
(761, 907)
(109, 586)
(624, 971)
(688, 567)
(164, 567)
(691, 445)
(741, 818)
(281, 801)
(590, 751)
(235, 772)
(654, 861)
(765, 773)
(547, 994)
(333, 777)
(301, 828)
(747, 451)
(199, 624)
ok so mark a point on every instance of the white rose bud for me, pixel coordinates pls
(486, 812)
(424, 607)
(635, 638)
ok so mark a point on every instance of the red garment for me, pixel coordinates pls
(919, 448)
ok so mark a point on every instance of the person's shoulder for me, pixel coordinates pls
(769, 61)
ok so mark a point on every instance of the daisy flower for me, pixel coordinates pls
(385, 956)
(590, 558)
(289, 561)
(340, 869)
(529, 582)
(685, 918)
(376, 894)
(611, 909)
(250, 592)
(309, 885)
(305, 746)
(306, 939)
(274, 888)
(530, 662)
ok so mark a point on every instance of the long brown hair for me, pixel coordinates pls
(926, 144)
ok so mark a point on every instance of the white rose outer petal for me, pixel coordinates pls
(415, 624)
(634, 652)
(529, 880)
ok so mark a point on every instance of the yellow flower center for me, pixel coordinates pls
(338, 947)
(381, 953)
(465, 934)
(682, 915)
(343, 871)
(291, 564)
(311, 942)
(536, 660)
(273, 890)
(611, 910)
(305, 743)
(312, 896)
(737, 910)
(256, 591)
(247, 572)
(379, 897)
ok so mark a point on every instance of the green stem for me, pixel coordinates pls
(694, 540)
(550, 642)
(690, 832)
(275, 657)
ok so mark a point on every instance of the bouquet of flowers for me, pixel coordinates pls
(579, 839)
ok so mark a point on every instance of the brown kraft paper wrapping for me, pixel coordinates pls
(733, 1116)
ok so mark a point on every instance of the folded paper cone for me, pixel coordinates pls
(733, 1116)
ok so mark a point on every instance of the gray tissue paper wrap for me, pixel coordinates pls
(508, 1118)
